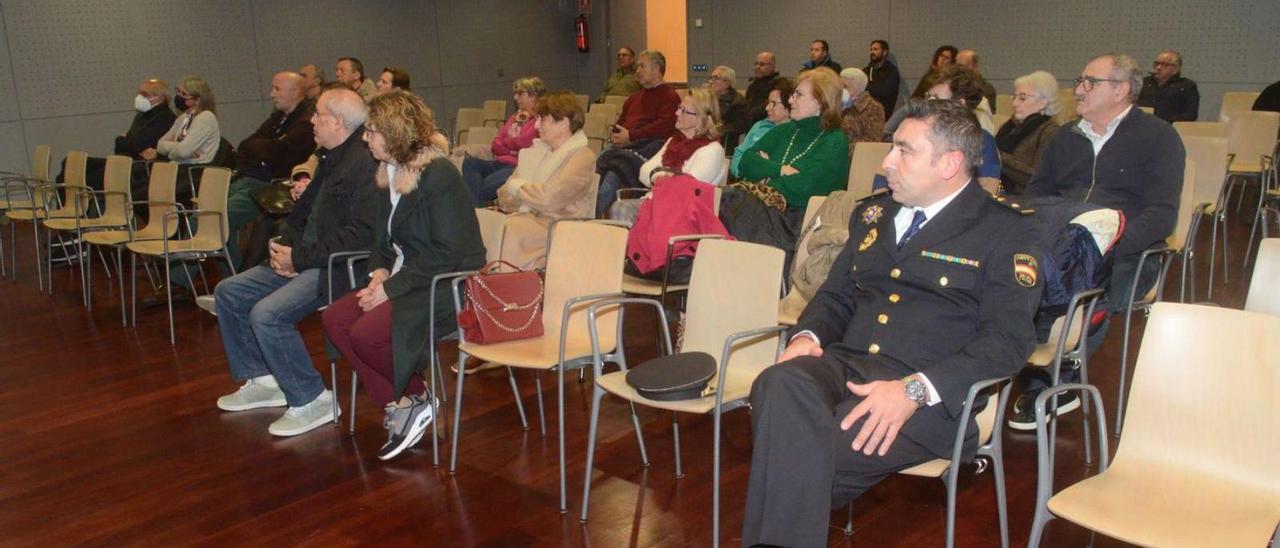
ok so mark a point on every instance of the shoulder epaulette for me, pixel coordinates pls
(1015, 206)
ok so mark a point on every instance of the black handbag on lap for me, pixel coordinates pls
(682, 376)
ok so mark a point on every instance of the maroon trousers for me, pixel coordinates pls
(364, 338)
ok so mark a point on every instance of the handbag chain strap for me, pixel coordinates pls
(507, 307)
(532, 316)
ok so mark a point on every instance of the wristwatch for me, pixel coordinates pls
(916, 391)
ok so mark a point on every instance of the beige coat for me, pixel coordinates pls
(546, 185)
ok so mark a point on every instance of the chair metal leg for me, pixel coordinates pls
(1002, 503)
(354, 382)
(597, 394)
(715, 472)
(1084, 411)
(133, 295)
(675, 435)
(433, 366)
(848, 525)
(35, 232)
(644, 453)
(1124, 366)
(1226, 264)
(333, 382)
(457, 412)
(168, 297)
(950, 484)
(564, 495)
(515, 391)
(1213, 256)
(542, 418)
(124, 318)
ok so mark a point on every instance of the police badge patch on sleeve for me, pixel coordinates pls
(1025, 269)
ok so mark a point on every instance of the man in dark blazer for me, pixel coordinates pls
(259, 309)
(935, 290)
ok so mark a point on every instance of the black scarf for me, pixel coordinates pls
(1013, 132)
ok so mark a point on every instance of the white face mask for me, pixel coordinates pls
(142, 104)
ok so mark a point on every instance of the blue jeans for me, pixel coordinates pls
(608, 193)
(484, 178)
(258, 315)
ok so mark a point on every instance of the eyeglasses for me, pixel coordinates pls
(687, 111)
(1087, 82)
(1159, 64)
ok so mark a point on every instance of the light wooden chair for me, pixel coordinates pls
(161, 188)
(466, 119)
(998, 120)
(596, 126)
(1209, 157)
(616, 100)
(495, 112)
(116, 215)
(1148, 110)
(1177, 244)
(731, 313)
(1264, 289)
(43, 201)
(16, 193)
(790, 307)
(208, 240)
(584, 264)
(1004, 106)
(990, 447)
(609, 111)
(1198, 464)
(1251, 139)
(865, 165)
(1234, 102)
(584, 101)
(1201, 129)
(1066, 106)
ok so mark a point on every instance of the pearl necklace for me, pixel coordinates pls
(803, 152)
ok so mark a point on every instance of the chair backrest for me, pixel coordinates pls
(999, 120)
(214, 182)
(865, 164)
(161, 188)
(467, 118)
(609, 111)
(1210, 157)
(77, 161)
(1066, 106)
(495, 112)
(733, 287)
(1200, 129)
(1264, 286)
(40, 162)
(116, 178)
(73, 176)
(1148, 110)
(480, 135)
(1252, 135)
(1186, 205)
(1234, 102)
(596, 126)
(802, 247)
(584, 101)
(617, 100)
(585, 259)
(492, 225)
(1205, 398)
(1004, 105)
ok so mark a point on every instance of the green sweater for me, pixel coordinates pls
(823, 169)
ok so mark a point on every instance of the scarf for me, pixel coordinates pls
(539, 162)
(680, 148)
(1013, 132)
(405, 180)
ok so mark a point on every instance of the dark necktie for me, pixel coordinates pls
(916, 220)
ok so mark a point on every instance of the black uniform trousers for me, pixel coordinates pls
(802, 463)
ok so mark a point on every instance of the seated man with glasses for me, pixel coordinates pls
(734, 120)
(1119, 157)
(1173, 97)
(623, 81)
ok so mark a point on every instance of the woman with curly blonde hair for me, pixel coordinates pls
(427, 227)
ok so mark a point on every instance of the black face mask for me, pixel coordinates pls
(179, 103)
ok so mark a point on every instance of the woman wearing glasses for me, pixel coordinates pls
(485, 177)
(1028, 131)
(808, 156)
(777, 111)
(194, 136)
(693, 148)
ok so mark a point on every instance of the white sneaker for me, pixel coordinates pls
(300, 420)
(252, 395)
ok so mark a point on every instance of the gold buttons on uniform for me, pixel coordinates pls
(874, 348)
(895, 273)
(894, 298)
(943, 281)
(883, 318)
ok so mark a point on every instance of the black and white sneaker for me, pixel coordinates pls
(1024, 409)
(405, 426)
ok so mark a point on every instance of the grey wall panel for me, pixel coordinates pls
(14, 155)
(74, 57)
(237, 120)
(381, 34)
(627, 26)
(529, 38)
(8, 92)
(92, 133)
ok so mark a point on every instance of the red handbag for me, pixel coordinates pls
(502, 306)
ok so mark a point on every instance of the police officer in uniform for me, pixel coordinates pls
(936, 290)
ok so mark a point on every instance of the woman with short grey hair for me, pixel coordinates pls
(1028, 131)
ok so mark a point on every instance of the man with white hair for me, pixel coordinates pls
(863, 117)
(734, 119)
(1119, 157)
(1174, 97)
(259, 309)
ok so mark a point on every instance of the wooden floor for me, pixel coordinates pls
(110, 436)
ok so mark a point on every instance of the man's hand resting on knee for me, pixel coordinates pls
(886, 407)
(801, 345)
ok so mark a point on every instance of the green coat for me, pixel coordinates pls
(823, 169)
(436, 227)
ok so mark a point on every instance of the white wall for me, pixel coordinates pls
(69, 68)
(1227, 46)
